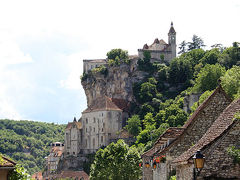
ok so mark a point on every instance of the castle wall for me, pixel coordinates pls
(156, 55)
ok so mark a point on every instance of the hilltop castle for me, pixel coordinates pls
(106, 116)
(159, 49)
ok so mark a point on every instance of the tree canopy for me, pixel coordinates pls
(116, 162)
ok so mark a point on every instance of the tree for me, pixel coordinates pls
(182, 47)
(231, 82)
(207, 78)
(211, 57)
(19, 173)
(116, 162)
(116, 56)
(134, 125)
(196, 43)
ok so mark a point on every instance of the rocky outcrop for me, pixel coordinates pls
(118, 83)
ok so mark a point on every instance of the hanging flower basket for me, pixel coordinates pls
(162, 159)
(157, 159)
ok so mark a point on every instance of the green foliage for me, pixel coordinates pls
(84, 77)
(19, 173)
(202, 98)
(173, 178)
(235, 154)
(117, 56)
(196, 43)
(101, 69)
(116, 162)
(207, 78)
(30, 137)
(230, 57)
(211, 56)
(134, 125)
(231, 82)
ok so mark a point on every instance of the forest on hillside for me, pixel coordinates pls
(28, 142)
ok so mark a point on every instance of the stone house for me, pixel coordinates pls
(195, 127)
(76, 175)
(160, 50)
(6, 166)
(53, 158)
(223, 134)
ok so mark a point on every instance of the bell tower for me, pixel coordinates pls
(172, 40)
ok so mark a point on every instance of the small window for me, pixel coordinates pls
(102, 129)
(101, 139)
(86, 120)
(94, 120)
(86, 129)
(73, 152)
(86, 142)
(93, 129)
(102, 114)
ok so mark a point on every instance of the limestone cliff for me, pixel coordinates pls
(117, 83)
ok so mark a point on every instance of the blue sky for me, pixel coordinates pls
(43, 42)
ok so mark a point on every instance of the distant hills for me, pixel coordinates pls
(27, 142)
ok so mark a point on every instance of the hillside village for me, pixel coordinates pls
(154, 89)
(212, 128)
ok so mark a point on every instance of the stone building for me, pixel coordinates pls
(89, 64)
(196, 126)
(160, 50)
(223, 134)
(97, 127)
(73, 138)
(53, 158)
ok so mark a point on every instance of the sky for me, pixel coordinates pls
(43, 43)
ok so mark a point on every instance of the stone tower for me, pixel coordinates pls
(172, 40)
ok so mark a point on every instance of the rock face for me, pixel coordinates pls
(118, 83)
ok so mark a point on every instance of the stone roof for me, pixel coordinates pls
(102, 104)
(170, 133)
(6, 162)
(219, 89)
(70, 125)
(200, 108)
(72, 174)
(222, 123)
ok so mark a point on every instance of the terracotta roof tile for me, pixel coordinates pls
(37, 176)
(216, 130)
(102, 104)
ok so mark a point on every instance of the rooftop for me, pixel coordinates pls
(222, 123)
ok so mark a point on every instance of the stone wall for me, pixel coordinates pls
(159, 172)
(98, 128)
(189, 100)
(155, 54)
(218, 163)
(184, 172)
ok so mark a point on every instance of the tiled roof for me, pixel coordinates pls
(70, 125)
(72, 174)
(6, 162)
(121, 103)
(216, 130)
(102, 104)
(170, 133)
(204, 104)
(219, 89)
(57, 150)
